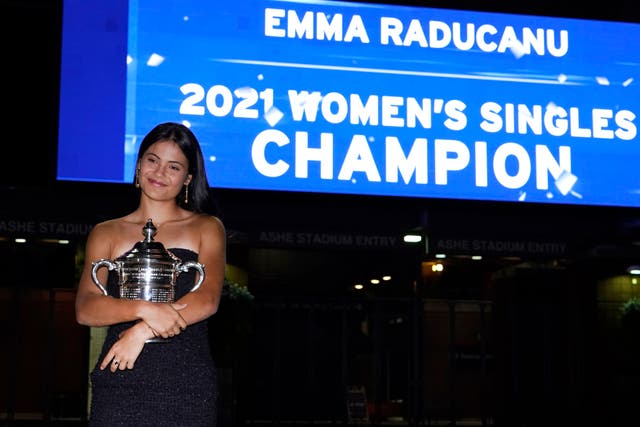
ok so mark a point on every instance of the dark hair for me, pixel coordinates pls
(199, 196)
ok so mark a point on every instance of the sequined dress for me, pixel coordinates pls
(172, 384)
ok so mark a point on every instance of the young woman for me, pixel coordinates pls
(172, 383)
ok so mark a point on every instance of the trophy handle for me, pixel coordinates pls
(193, 264)
(96, 266)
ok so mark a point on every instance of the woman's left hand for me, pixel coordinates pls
(124, 352)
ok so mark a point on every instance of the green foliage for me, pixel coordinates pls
(235, 291)
(631, 307)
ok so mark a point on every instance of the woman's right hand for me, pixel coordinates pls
(124, 352)
(164, 318)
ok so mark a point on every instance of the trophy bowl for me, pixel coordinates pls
(148, 271)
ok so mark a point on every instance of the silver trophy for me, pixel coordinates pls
(148, 271)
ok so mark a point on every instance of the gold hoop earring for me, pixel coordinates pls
(186, 194)
(137, 178)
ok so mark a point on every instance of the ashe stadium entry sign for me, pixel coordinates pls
(357, 98)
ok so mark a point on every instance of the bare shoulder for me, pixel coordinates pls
(115, 226)
(212, 239)
(209, 224)
(113, 237)
(100, 240)
(104, 229)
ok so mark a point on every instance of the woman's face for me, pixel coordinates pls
(163, 170)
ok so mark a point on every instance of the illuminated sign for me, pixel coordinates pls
(354, 98)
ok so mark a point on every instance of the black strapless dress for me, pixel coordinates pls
(172, 384)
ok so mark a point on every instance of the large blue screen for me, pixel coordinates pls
(356, 98)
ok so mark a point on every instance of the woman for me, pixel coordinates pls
(172, 383)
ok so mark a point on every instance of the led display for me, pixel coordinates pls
(357, 98)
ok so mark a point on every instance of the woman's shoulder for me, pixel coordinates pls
(108, 226)
(209, 223)
(212, 235)
(116, 229)
(108, 238)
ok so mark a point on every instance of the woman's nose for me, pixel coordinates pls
(162, 170)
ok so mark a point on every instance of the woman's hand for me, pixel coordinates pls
(164, 318)
(124, 352)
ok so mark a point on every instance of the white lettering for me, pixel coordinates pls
(314, 25)
(433, 34)
(485, 37)
(510, 163)
(557, 121)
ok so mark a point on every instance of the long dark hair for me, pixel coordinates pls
(199, 195)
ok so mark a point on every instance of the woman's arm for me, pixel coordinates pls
(204, 301)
